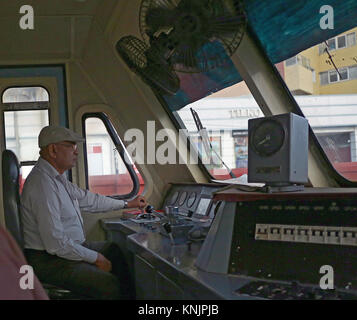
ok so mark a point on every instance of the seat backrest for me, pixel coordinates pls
(11, 195)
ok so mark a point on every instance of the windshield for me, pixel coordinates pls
(323, 81)
(225, 116)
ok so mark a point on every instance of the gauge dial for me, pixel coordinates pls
(174, 197)
(191, 199)
(182, 198)
(267, 138)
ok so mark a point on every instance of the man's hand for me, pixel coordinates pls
(138, 202)
(103, 263)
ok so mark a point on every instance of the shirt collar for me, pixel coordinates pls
(44, 166)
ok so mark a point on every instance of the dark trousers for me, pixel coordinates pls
(83, 278)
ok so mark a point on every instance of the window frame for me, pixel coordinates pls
(24, 106)
(347, 74)
(328, 44)
(322, 46)
(333, 73)
(291, 61)
(25, 86)
(337, 41)
(354, 37)
(120, 148)
(352, 76)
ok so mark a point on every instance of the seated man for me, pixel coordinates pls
(54, 236)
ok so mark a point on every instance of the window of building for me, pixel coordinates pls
(333, 76)
(340, 42)
(322, 48)
(305, 62)
(109, 169)
(352, 72)
(26, 112)
(291, 61)
(351, 39)
(343, 74)
(331, 44)
(324, 78)
(299, 59)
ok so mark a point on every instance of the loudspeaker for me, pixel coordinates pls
(278, 150)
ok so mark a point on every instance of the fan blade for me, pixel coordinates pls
(226, 24)
(132, 50)
(184, 58)
(191, 35)
(148, 64)
(162, 77)
(158, 18)
(227, 43)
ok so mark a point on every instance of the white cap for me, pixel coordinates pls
(54, 134)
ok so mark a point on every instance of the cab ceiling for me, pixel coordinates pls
(61, 28)
(51, 7)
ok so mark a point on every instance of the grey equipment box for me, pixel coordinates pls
(278, 150)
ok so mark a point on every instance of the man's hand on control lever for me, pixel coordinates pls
(138, 202)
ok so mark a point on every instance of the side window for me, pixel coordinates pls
(25, 113)
(109, 169)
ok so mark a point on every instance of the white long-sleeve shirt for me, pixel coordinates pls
(51, 213)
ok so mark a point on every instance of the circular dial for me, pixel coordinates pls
(267, 138)
(182, 198)
(191, 199)
(174, 197)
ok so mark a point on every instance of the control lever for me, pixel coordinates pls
(149, 213)
(150, 209)
(167, 227)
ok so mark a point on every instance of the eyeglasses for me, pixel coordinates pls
(74, 147)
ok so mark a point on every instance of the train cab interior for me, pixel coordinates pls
(235, 119)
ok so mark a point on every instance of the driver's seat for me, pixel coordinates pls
(11, 200)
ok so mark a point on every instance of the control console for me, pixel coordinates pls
(286, 244)
(186, 215)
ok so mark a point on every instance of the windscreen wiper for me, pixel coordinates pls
(206, 141)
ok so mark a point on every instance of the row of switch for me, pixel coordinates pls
(314, 234)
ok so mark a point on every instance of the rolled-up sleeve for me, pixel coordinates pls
(50, 226)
